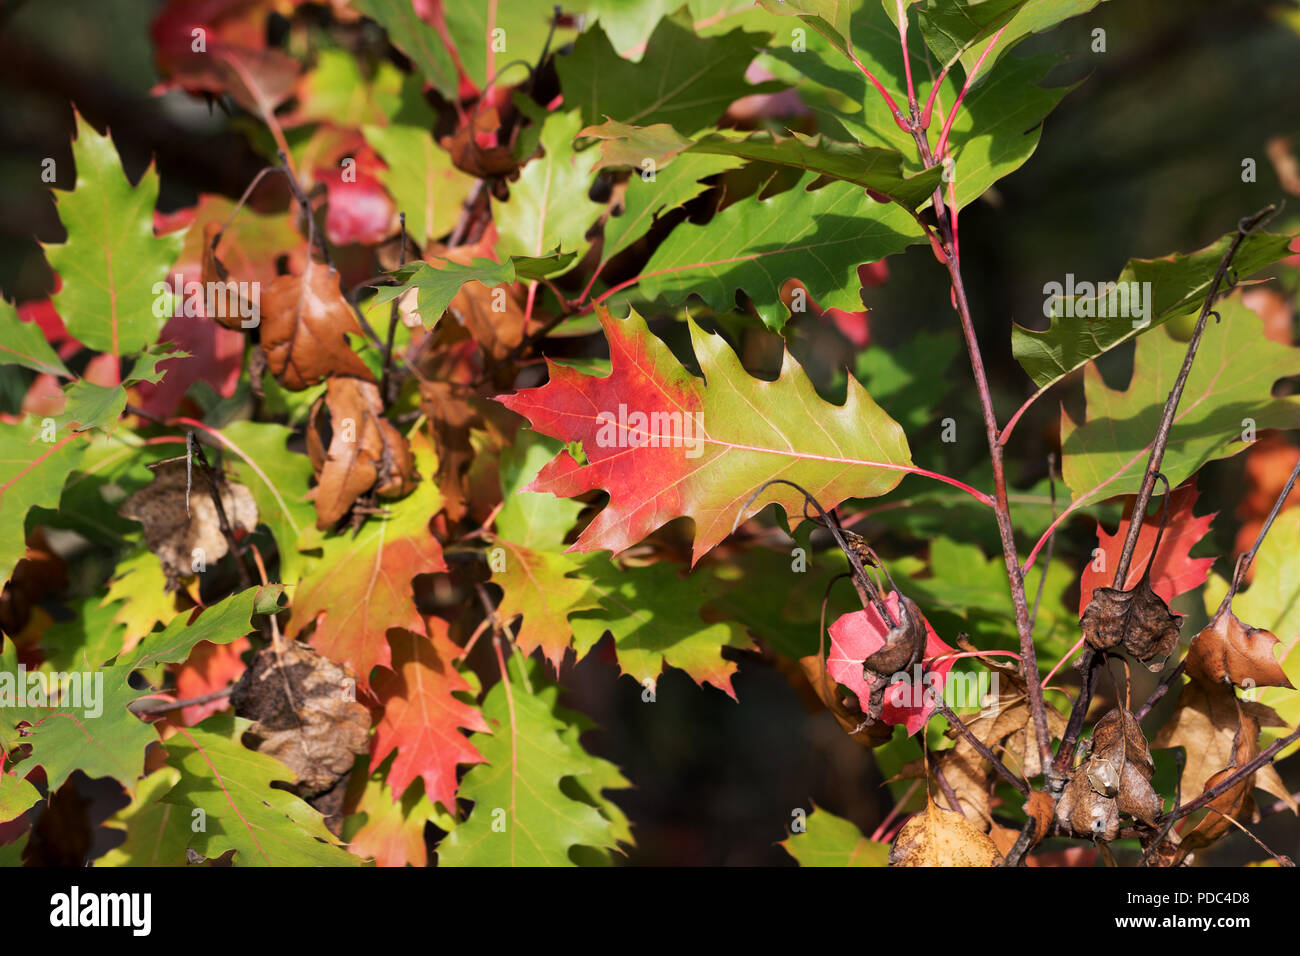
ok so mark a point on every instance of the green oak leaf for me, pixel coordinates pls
(421, 179)
(994, 134)
(279, 482)
(684, 79)
(870, 167)
(653, 614)
(548, 208)
(100, 406)
(523, 814)
(101, 737)
(36, 458)
(828, 840)
(756, 245)
(17, 796)
(438, 286)
(111, 260)
(1178, 283)
(1228, 393)
(418, 40)
(23, 343)
(240, 809)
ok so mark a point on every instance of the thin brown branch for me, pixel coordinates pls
(956, 723)
(1234, 778)
(214, 490)
(1245, 227)
(156, 705)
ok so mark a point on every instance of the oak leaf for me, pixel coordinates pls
(938, 837)
(421, 722)
(665, 443)
(363, 450)
(305, 714)
(855, 637)
(1174, 572)
(1229, 651)
(1115, 778)
(362, 585)
(1137, 618)
(1205, 723)
(305, 322)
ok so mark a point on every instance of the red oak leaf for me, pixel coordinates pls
(1174, 572)
(665, 443)
(422, 720)
(360, 210)
(209, 668)
(858, 635)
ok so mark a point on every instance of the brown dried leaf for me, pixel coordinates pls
(1228, 651)
(305, 321)
(1234, 803)
(481, 161)
(1138, 618)
(365, 451)
(938, 837)
(1086, 812)
(852, 722)
(1205, 724)
(1114, 779)
(305, 714)
(179, 537)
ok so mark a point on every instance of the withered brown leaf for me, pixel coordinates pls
(363, 450)
(1236, 802)
(305, 714)
(180, 537)
(1229, 651)
(1115, 778)
(1205, 723)
(937, 837)
(1137, 618)
(304, 329)
(481, 161)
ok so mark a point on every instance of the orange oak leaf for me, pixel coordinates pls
(1228, 650)
(422, 720)
(362, 586)
(1174, 571)
(305, 324)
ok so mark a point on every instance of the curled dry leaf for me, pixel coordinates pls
(863, 645)
(306, 715)
(480, 161)
(1138, 618)
(847, 713)
(305, 324)
(1229, 651)
(1114, 779)
(1206, 723)
(1237, 801)
(938, 837)
(216, 277)
(355, 449)
(181, 536)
